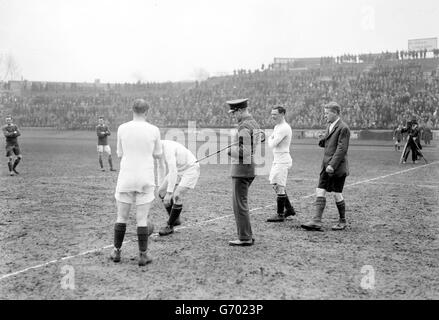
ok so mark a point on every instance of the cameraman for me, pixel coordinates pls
(413, 141)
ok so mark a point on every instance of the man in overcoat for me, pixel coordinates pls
(334, 168)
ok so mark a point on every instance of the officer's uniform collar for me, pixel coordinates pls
(246, 118)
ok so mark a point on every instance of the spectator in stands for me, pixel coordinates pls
(381, 94)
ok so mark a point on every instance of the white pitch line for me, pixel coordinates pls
(392, 174)
(405, 185)
(207, 221)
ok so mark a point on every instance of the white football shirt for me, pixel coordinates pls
(137, 143)
(177, 158)
(280, 141)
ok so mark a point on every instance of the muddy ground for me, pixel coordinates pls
(62, 206)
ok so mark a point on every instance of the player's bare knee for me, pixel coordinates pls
(320, 192)
(142, 216)
(280, 189)
(338, 196)
(179, 194)
(142, 222)
(123, 212)
(121, 218)
(142, 212)
(178, 199)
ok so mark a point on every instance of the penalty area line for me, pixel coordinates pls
(207, 221)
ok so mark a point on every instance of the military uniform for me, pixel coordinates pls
(242, 171)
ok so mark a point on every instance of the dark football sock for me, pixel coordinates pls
(320, 207)
(142, 235)
(110, 162)
(281, 203)
(169, 207)
(16, 162)
(288, 204)
(101, 163)
(10, 166)
(119, 234)
(341, 210)
(175, 213)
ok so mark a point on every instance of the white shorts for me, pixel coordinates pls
(105, 148)
(135, 197)
(189, 177)
(279, 173)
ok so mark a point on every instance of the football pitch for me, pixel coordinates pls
(57, 218)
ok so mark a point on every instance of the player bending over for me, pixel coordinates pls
(182, 175)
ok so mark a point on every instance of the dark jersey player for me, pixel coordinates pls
(11, 132)
(103, 132)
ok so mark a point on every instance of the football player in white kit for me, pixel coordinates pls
(280, 141)
(182, 175)
(138, 143)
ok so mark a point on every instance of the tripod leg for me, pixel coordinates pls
(421, 154)
(403, 152)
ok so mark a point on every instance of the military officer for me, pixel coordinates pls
(242, 169)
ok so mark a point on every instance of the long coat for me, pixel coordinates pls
(336, 144)
(242, 154)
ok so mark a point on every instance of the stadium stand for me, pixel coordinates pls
(377, 91)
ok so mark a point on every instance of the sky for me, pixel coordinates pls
(177, 40)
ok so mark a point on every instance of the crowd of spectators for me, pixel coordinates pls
(380, 97)
(383, 56)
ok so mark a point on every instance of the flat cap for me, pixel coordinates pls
(237, 104)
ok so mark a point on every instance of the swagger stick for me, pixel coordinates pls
(229, 146)
(404, 151)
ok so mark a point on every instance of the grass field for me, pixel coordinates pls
(57, 221)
